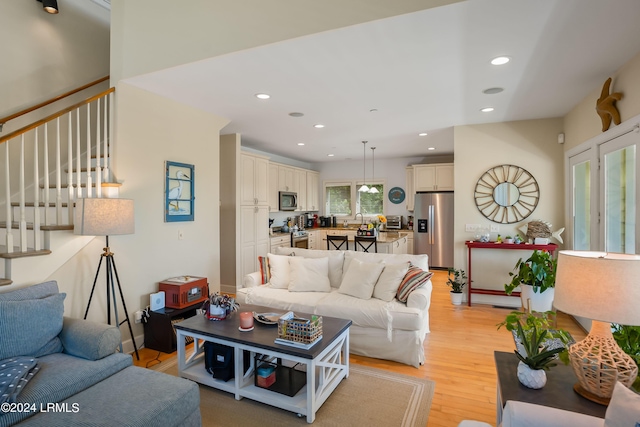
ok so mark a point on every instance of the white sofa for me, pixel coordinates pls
(385, 330)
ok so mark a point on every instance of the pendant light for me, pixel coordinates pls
(373, 189)
(364, 188)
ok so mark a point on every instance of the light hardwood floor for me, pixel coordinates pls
(459, 357)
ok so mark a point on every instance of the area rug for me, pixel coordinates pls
(370, 397)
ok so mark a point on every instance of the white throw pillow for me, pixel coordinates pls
(624, 408)
(309, 275)
(389, 281)
(279, 267)
(360, 279)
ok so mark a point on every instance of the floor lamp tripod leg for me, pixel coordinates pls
(111, 287)
(93, 288)
(124, 306)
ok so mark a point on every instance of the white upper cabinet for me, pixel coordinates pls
(410, 194)
(273, 188)
(254, 185)
(436, 177)
(286, 181)
(313, 203)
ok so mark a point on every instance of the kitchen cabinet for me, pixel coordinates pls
(409, 236)
(313, 201)
(300, 178)
(398, 246)
(313, 238)
(279, 241)
(321, 239)
(435, 177)
(254, 237)
(286, 179)
(274, 201)
(410, 193)
(254, 180)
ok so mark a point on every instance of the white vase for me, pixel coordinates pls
(456, 297)
(536, 301)
(532, 378)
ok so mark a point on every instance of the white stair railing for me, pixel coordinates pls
(19, 187)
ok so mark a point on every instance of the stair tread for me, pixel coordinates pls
(49, 227)
(5, 282)
(84, 185)
(17, 254)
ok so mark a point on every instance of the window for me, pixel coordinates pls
(371, 203)
(338, 199)
(342, 198)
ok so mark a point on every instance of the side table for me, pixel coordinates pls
(557, 393)
(158, 329)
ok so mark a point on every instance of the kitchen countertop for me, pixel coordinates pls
(388, 236)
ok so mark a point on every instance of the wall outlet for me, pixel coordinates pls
(138, 316)
(471, 227)
(495, 228)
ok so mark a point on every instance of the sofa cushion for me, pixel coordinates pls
(309, 275)
(281, 299)
(360, 279)
(40, 290)
(61, 376)
(417, 260)
(30, 327)
(89, 340)
(336, 259)
(414, 279)
(279, 267)
(623, 409)
(371, 313)
(389, 281)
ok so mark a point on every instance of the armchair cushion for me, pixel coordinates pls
(30, 327)
(89, 340)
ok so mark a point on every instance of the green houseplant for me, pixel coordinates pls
(537, 347)
(456, 282)
(628, 338)
(538, 274)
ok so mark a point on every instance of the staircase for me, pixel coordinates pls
(44, 168)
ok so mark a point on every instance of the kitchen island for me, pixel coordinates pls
(389, 242)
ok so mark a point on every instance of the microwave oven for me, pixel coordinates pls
(288, 201)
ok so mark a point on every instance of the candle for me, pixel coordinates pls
(246, 320)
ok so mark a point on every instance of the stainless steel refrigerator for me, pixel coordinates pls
(433, 228)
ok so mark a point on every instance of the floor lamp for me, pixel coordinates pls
(107, 217)
(604, 287)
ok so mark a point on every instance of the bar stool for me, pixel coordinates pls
(366, 242)
(337, 242)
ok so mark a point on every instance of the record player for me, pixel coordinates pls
(183, 291)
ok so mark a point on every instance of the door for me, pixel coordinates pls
(584, 213)
(618, 174)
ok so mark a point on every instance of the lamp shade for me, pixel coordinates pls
(104, 217)
(599, 285)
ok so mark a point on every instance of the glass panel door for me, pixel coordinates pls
(583, 238)
(618, 183)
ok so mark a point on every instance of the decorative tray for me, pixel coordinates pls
(267, 318)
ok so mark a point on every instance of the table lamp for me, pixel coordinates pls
(105, 217)
(603, 287)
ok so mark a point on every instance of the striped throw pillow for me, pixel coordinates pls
(265, 272)
(414, 279)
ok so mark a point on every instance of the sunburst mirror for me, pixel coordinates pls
(506, 194)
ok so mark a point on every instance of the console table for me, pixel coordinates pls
(551, 248)
(557, 393)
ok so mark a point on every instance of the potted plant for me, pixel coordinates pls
(508, 239)
(218, 306)
(536, 277)
(628, 338)
(456, 283)
(536, 345)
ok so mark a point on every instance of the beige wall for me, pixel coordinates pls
(583, 123)
(144, 31)
(530, 144)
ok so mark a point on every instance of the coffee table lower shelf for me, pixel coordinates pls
(323, 372)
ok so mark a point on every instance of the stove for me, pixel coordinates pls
(300, 239)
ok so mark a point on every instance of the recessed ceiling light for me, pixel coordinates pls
(300, 143)
(431, 148)
(487, 109)
(295, 114)
(492, 90)
(500, 60)
(422, 134)
(329, 155)
(262, 96)
(318, 126)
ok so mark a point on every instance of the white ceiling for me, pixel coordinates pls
(422, 72)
